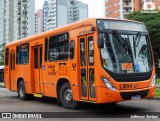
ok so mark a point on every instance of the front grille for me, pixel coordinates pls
(128, 95)
(135, 77)
(132, 78)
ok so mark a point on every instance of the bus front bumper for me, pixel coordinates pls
(105, 95)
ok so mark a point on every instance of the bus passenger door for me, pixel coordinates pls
(12, 70)
(86, 58)
(38, 69)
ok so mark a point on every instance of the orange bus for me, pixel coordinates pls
(94, 60)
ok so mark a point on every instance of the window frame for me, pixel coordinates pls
(6, 57)
(73, 50)
(46, 50)
(55, 36)
(20, 54)
(17, 54)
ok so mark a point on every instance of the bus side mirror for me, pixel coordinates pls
(100, 41)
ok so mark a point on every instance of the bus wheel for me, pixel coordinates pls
(22, 91)
(66, 96)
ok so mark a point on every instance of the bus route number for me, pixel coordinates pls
(126, 86)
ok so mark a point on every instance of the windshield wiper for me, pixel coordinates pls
(119, 37)
(124, 42)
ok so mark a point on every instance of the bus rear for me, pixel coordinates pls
(126, 69)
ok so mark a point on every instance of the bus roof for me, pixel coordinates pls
(88, 21)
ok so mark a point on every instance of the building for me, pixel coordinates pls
(17, 19)
(76, 10)
(6, 26)
(62, 12)
(45, 14)
(122, 8)
(39, 21)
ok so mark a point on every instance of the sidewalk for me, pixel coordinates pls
(1, 85)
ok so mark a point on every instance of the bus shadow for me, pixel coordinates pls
(119, 107)
(89, 110)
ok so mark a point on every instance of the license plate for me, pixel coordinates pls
(137, 97)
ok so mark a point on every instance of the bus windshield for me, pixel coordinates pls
(126, 53)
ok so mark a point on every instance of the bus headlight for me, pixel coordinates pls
(153, 81)
(108, 84)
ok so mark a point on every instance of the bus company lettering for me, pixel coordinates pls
(36, 43)
(85, 32)
(53, 71)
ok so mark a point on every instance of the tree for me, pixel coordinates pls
(152, 22)
(2, 53)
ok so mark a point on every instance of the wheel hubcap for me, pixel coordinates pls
(68, 96)
(21, 91)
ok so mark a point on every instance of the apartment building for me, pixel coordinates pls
(39, 21)
(122, 8)
(17, 19)
(45, 14)
(62, 12)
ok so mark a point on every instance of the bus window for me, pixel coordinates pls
(58, 47)
(82, 48)
(72, 49)
(46, 50)
(24, 54)
(6, 57)
(12, 56)
(91, 50)
(40, 57)
(36, 65)
(17, 54)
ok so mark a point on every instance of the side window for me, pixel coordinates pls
(17, 54)
(24, 54)
(58, 47)
(6, 56)
(12, 58)
(46, 50)
(72, 49)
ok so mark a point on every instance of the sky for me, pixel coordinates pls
(96, 7)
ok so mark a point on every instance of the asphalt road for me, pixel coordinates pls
(10, 103)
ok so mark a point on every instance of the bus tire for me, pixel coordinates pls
(22, 91)
(59, 102)
(66, 97)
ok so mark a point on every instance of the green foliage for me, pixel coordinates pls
(157, 93)
(152, 22)
(2, 53)
(158, 80)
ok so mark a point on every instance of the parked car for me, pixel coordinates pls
(1, 73)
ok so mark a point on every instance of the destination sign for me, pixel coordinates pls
(121, 25)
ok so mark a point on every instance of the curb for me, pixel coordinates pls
(154, 98)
